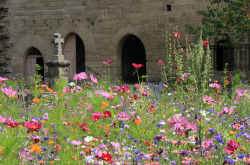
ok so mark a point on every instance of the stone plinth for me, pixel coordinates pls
(58, 68)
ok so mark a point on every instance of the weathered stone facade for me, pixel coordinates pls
(103, 26)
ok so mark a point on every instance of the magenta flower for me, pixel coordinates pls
(177, 35)
(232, 146)
(5, 120)
(93, 79)
(107, 62)
(137, 66)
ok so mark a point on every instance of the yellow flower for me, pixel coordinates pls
(232, 132)
(51, 142)
(215, 81)
(227, 82)
(120, 152)
(42, 121)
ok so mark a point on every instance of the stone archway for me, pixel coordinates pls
(74, 51)
(117, 43)
(133, 51)
(21, 51)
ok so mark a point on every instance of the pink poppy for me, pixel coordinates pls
(177, 35)
(107, 62)
(137, 66)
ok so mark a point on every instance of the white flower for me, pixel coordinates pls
(72, 84)
(169, 94)
(204, 113)
(88, 138)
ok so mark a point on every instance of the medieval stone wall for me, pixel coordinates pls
(101, 24)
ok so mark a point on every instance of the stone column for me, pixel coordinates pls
(58, 67)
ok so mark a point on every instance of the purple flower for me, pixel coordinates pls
(183, 152)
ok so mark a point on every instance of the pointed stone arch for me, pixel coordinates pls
(21, 48)
(80, 29)
(117, 43)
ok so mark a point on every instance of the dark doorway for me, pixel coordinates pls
(133, 51)
(225, 54)
(80, 55)
(74, 51)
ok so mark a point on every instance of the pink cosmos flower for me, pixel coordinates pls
(108, 62)
(97, 114)
(117, 106)
(208, 99)
(93, 79)
(232, 146)
(122, 116)
(5, 120)
(76, 143)
(81, 76)
(184, 75)
(46, 116)
(2, 80)
(117, 145)
(165, 85)
(215, 85)
(67, 89)
(137, 66)
(9, 92)
(105, 94)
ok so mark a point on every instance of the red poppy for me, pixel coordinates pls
(137, 66)
(57, 147)
(95, 118)
(179, 79)
(206, 43)
(231, 146)
(135, 96)
(177, 35)
(85, 129)
(33, 126)
(83, 124)
(176, 68)
(107, 114)
(147, 143)
(229, 76)
(10, 124)
(106, 157)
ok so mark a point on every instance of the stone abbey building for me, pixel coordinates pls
(125, 31)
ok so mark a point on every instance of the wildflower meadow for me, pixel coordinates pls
(187, 118)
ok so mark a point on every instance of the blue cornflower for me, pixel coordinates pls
(135, 140)
(159, 125)
(130, 136)
(211, 130)
(241, 156)
(156, 141)
(137, 151)
(55, 132)
(46, 137)
(237, 135)
(230, 161)
(204, 151)
(242, 127)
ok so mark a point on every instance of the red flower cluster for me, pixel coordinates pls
(107, 114)
(206, 43)
(14, 124)
(33, 126)
(106, 157)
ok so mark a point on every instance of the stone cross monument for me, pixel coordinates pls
(58, 67)
(57, 41)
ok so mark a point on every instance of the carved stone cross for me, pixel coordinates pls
(58, 41)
